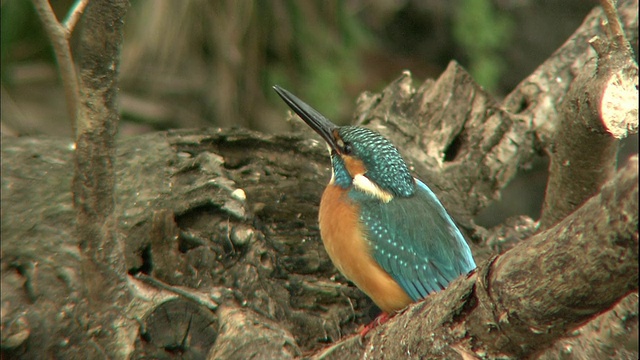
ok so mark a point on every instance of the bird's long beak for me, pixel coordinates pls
(320, 124)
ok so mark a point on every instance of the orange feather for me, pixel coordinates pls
(354, 166)
(342, 235)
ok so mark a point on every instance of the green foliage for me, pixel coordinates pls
(217, 60)
(482, 31)
(328, 47)
(243, 48)
(22, 35)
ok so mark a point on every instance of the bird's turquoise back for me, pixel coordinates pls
(415, 240)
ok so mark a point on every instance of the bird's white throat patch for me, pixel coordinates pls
(365, 185)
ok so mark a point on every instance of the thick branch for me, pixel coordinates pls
(609, 336)
(103, 264)
(600, 108)
(596, 247)
(94, 180)
(519, 303)
(537, 97)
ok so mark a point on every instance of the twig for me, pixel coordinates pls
(613, 26)
(188, 294)
(73, 16)
(60, 40)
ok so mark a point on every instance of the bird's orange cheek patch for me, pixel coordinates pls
(354, 166)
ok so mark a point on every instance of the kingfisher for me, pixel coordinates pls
(383, 229)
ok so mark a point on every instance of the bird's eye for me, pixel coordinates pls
(347, 149)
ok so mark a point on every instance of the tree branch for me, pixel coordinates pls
(103, 263)
(59, 37)
(612, 25)
(609, 336)
(73, 16)
(599, 109)
(537, 97)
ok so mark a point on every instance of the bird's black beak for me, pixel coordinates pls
(314, 119)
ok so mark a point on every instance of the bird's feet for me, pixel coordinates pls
(380, 319)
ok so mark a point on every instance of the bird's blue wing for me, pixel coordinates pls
(415, 240)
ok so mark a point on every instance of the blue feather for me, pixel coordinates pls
(415, 240)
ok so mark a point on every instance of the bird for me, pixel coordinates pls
(384, 229)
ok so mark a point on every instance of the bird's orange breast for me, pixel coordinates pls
(344, 239)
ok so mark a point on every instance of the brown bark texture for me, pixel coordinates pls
(599, 109)
(224, 259)
(104, 291)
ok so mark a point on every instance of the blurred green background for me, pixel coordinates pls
(196, 63)
(208, 63)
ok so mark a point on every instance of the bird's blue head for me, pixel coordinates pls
(360, 157)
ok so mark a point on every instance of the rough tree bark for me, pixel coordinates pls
(222, 247)
(599, 109)
(99, 298)
(104, 291)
